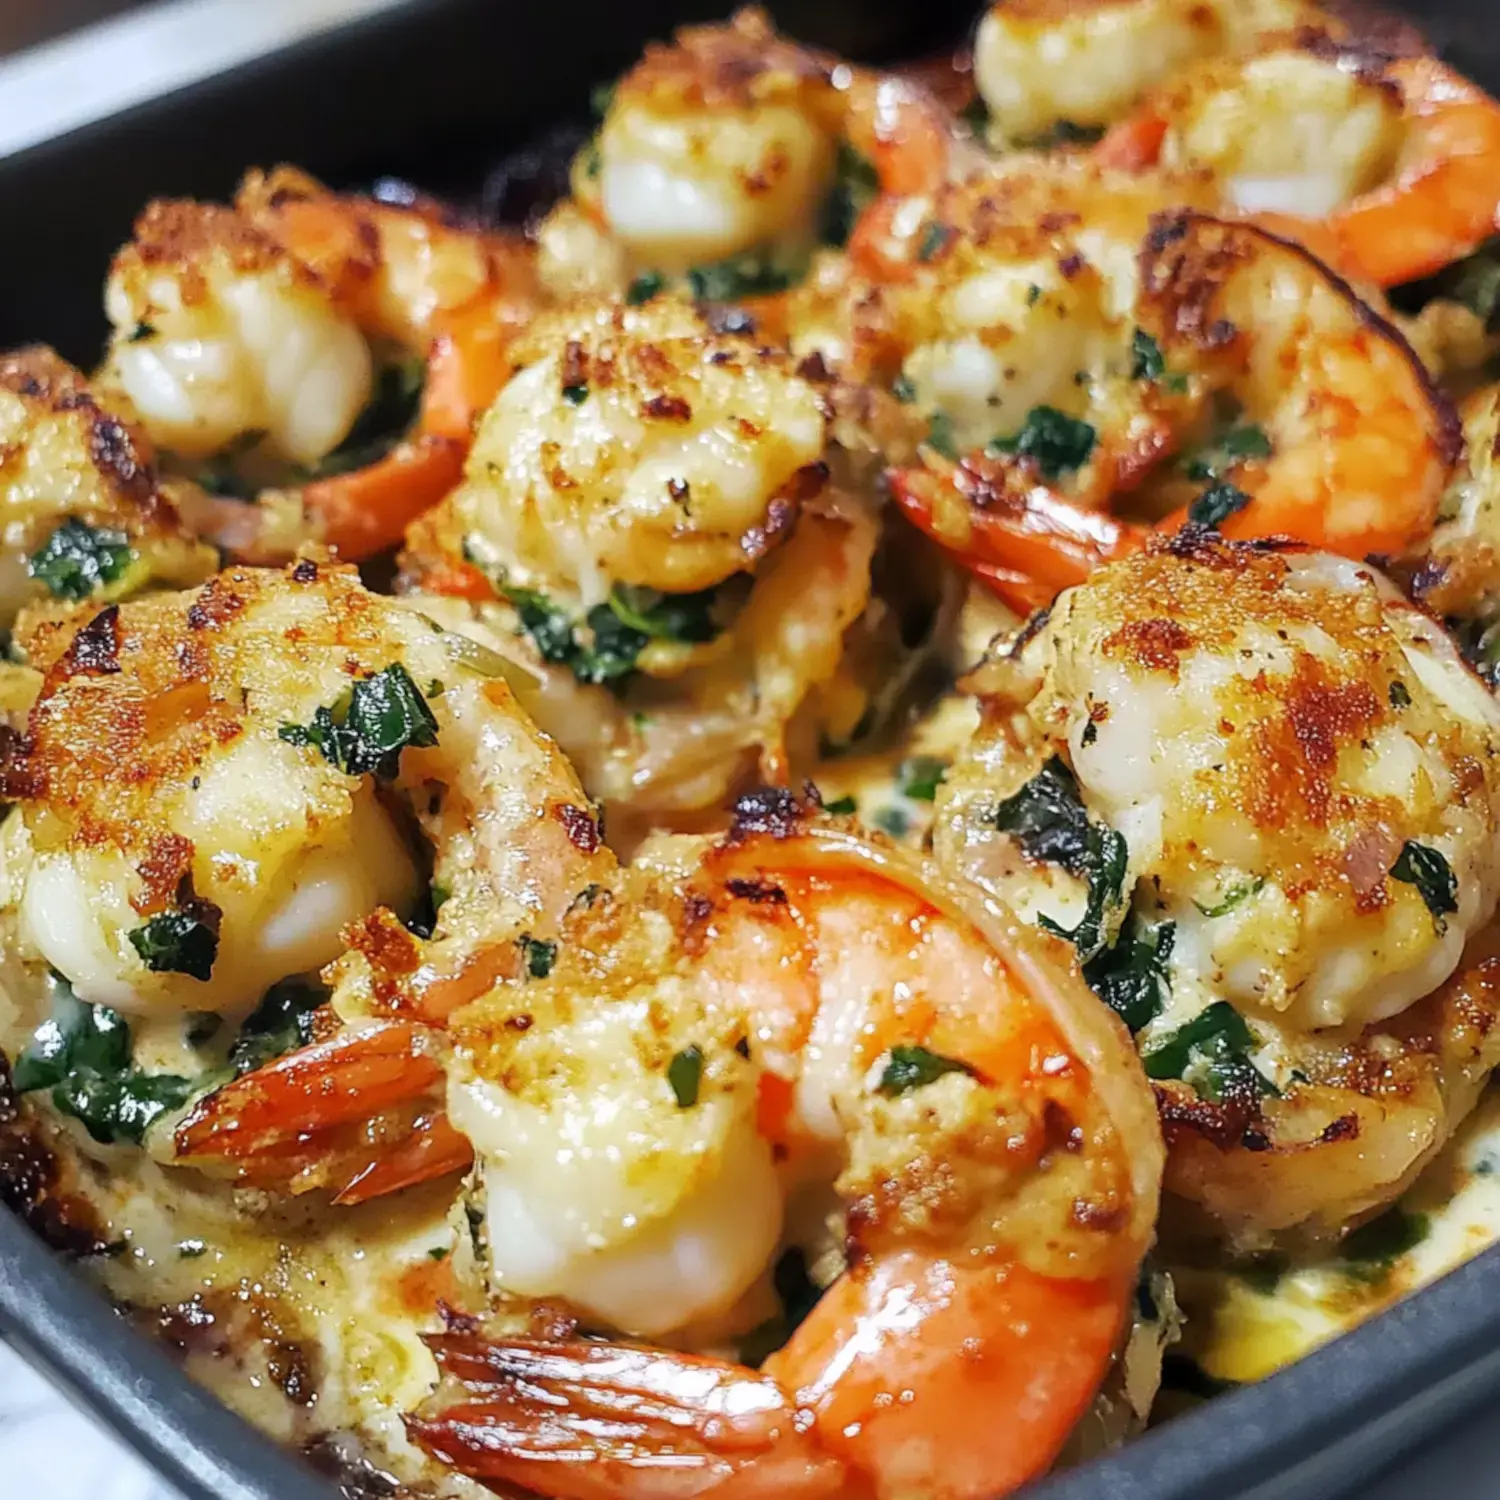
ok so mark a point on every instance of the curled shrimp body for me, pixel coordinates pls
(676, 513)
(1275, 752)
(262, 338)
(1385, 164)
(203, 781)
(1338, 435)
(723, 150)
(81, 503)
(990, 1144)
(1041, 62)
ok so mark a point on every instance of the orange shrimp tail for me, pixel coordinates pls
(1010, 1361)
(368, 510)
(1025, 542)
(1132, 144)
(346, 1079)
(903, 130)
(433, 1149)
(585, 1421)
(1445, 196)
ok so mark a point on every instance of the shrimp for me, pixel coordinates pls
(726, 156)
(1084, 63)
(1385, 164)
(675, 529)
(1258, 789)
(249, 336)
(765, 1013)
(219, 790)
(211, 764)
(84, 511)
(1337, 437)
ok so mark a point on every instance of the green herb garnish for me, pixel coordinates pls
(940, 434)
(1216, 504)
(749, 275)
(1054, 441)
(855, 187)
(1236, 895)
(367, 730)
(1131, 976)
(1147, 360)
(844, 807)
(182, 941)
(78, 558)
(1212, 1053)
(935, 238)
(386, 419)
(910, 1068)
(1424, 867)
(920, 776)
(281, 1023)
(83, 1055)
(539, 955)
(1238, 444)
(644, 287)
(1400, 695)
(685, 1074)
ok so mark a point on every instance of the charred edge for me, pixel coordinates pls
(760, 892)
(95, 650)
(113, 449)
(166, 867)
(575, 364)
(781, 516)
(581, 826)
(814, 367)
(665, 408)
(771, 810)
(1233, 1121)
(1345, 1128)
(19, 782)
(217, 604)
(355, 1475)
(304, 571)
(29, 1180)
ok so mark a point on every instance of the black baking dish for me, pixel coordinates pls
(436, 90)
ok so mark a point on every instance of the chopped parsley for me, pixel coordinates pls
(78, 558)
(184, 940)
(82, 1054)
(606, 645)
(1400, 694)
(1054, 441)
(368, 728)
(1147, 360)
(921, 776)
(895, 821)
(1424, 867)
(539, 955)
(1212, 1053)
(935, 239)
(904, 389)
(644, 287)
(855, 186)
(1238, 444)
(1131, 976)
(749, 275)
(1371, 1250)
(1217, 503)
(1063, 133)
(601, 96)
(844, 807)
(685, 1074)
(1236, 895)
(940, 434)
(910, 1068)
(976, 115)
(575, 395)
(281, 1023)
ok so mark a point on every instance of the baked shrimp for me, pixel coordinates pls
(327, 353)
(1291, 408)
(224, 789)
(1385, 165)
(84, 512)
(967, 1165)
(726, 156)
(1054, 70)
(1258, 790)
(676, 529)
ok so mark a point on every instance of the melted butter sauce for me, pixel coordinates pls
(1245, 1326)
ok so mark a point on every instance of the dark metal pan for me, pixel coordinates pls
(436, 89)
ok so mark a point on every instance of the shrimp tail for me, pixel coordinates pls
(592, 1421)
(1024, 542)
(433, 1149)
(342, 1081)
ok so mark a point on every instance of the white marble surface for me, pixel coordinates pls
(47, 1449)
